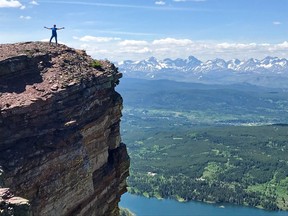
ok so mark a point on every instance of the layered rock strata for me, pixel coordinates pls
(60, 145)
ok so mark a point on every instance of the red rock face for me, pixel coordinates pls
(60, 145)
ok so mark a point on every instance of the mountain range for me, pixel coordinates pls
(270, 71)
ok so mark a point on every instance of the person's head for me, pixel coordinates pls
(54, 25)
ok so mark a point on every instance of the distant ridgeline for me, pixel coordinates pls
(270, 71)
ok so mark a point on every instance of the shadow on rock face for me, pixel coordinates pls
(18, 84)
(18, 72)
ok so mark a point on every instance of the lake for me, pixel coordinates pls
(143, 206)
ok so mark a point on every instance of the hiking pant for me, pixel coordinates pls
(52, 38)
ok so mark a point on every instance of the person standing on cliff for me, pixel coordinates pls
(54, 33)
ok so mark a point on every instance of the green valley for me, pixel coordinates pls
(225, 144)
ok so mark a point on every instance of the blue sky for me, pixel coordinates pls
(137, 29)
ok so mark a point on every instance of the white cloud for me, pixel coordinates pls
(89, 38)
(133, 47)
(117, 49)
(135, 50)
(172, 41)
(236, 46)
(10, 4)
(133, 43)
(277, 23)
(25, 17)
(34, 2)
(160, 3)
(281, 46)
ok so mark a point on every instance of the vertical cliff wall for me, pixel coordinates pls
(60, 145)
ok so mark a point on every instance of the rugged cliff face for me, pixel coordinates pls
(60, 145)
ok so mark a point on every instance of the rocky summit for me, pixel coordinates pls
(60, 146)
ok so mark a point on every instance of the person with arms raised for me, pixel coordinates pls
(54, 33)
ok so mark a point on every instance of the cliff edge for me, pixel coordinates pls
(60, 145)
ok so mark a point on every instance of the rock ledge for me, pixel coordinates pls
(60, 145)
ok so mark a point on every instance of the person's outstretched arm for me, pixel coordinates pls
(46, 27)
(60, 28)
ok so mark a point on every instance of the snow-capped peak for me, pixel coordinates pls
(192, 64)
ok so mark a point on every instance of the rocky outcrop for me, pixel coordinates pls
(11, 205)
(60, 145)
